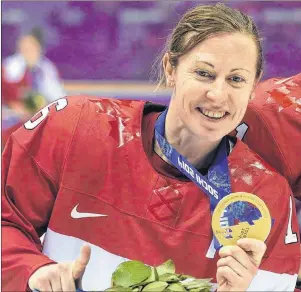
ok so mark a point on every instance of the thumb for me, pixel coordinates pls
(79, 265)
(254, 248)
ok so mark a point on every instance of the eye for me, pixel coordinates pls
(203, 73)
(237, 79)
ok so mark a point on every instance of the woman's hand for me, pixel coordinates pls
(61, 276)
(239, 264)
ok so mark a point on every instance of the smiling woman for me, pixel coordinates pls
(140, 181)
(210, 94)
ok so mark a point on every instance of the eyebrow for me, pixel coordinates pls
(212, 66)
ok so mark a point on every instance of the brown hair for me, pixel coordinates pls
(204, 21)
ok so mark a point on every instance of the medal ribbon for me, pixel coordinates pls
(216, 185)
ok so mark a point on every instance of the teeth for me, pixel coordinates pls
(212, 114)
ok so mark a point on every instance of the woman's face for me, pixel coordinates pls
(213, 83)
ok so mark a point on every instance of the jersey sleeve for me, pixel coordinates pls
(272, 127)
(256, 133)
(280, 265)
(32, 164)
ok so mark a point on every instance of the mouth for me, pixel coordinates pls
(213, 115)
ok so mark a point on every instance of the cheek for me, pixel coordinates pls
(191, 91)
(240, 102)
(187, 82)
(240, 111)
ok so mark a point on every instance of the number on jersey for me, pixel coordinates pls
(241, 131)
(60, 104)
(291, 237)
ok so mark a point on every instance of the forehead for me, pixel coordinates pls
(227, 50)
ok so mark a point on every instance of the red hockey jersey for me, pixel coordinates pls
(81, 158)
(272, 127)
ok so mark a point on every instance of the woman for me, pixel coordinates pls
(29, 75)
(95, 172)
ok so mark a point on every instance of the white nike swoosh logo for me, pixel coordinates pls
(77, 215)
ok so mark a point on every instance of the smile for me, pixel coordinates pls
(215, 115)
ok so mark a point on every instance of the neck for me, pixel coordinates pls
(198, 151)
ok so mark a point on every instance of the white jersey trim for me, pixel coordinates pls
(59, 247)
(273, 282)
(100, 268)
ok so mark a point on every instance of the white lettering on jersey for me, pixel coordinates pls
(60, 104)
(291, 237)
(241, 131)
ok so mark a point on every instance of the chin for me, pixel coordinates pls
(210, 135)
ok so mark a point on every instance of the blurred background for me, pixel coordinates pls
(107, 48)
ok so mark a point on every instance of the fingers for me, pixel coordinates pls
(254, 247)
(56, 285)
(251, 244)
(67, 281)
(68, 284)
(39, 280)
(238, 254)
(55, 280)
(221, 280)
(232, 264)
(224, 275)
(239, 264)
(42, 285)
(79, 265)
(62, 276)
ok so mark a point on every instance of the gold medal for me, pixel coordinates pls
(241, 215)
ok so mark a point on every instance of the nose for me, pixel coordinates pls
(216, 93)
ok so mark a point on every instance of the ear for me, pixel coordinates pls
(168, 70)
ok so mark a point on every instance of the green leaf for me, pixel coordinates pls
(118, 289)
(184, 277)
(137, 288)
(199, 290)
(130, 273)
(196, 285)
(169, 277)
(176, 287)
(206, 280)
(152, 278)
(167, 267)
(189, 281)
(155, 286)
